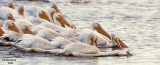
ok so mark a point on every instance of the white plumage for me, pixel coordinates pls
(36, 10)
(45, 32)
(80, 48)
(32, 41)
(10, 36)
(60, 42)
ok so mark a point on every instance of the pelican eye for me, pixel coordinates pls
(54, 11)
(13, 24)
(59, 15)
(27, 28)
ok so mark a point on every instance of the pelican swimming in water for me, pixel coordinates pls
(99, 29)
(60, 42)
(54, 6)
(5, 13)
(81, 49)
(10, 32)
(10, 12)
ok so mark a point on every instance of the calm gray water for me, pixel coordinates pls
(136, 22)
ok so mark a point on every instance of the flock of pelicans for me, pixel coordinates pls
(37, 29)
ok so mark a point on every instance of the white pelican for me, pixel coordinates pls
(7, 33)
(62, 16)
(98, 28)
(10, 5)
(9, 25)
(10, 12)
(32, 41)
(39, 12)
(5, 13)
(57, 19)
(11, 31)
(80, 49)
(60, 42)
(45, 32)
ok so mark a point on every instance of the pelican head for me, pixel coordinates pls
(98, 28)
(1, 31)
(59, 17)
(92, 39)
(9, 25)
(52, 11)
(54, 6)
(24, 29)
(10, 17)
(116, 41)
(21, 10)
(42, 14)
(11, 5)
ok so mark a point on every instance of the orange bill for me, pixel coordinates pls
(28, 31)
(102, 31)
(122, 44)
(60, 21)
(43, 15)
(13, 28)
(21, 11)
(1, 31)
(10, 17)
(52, 14)
(63, 18)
